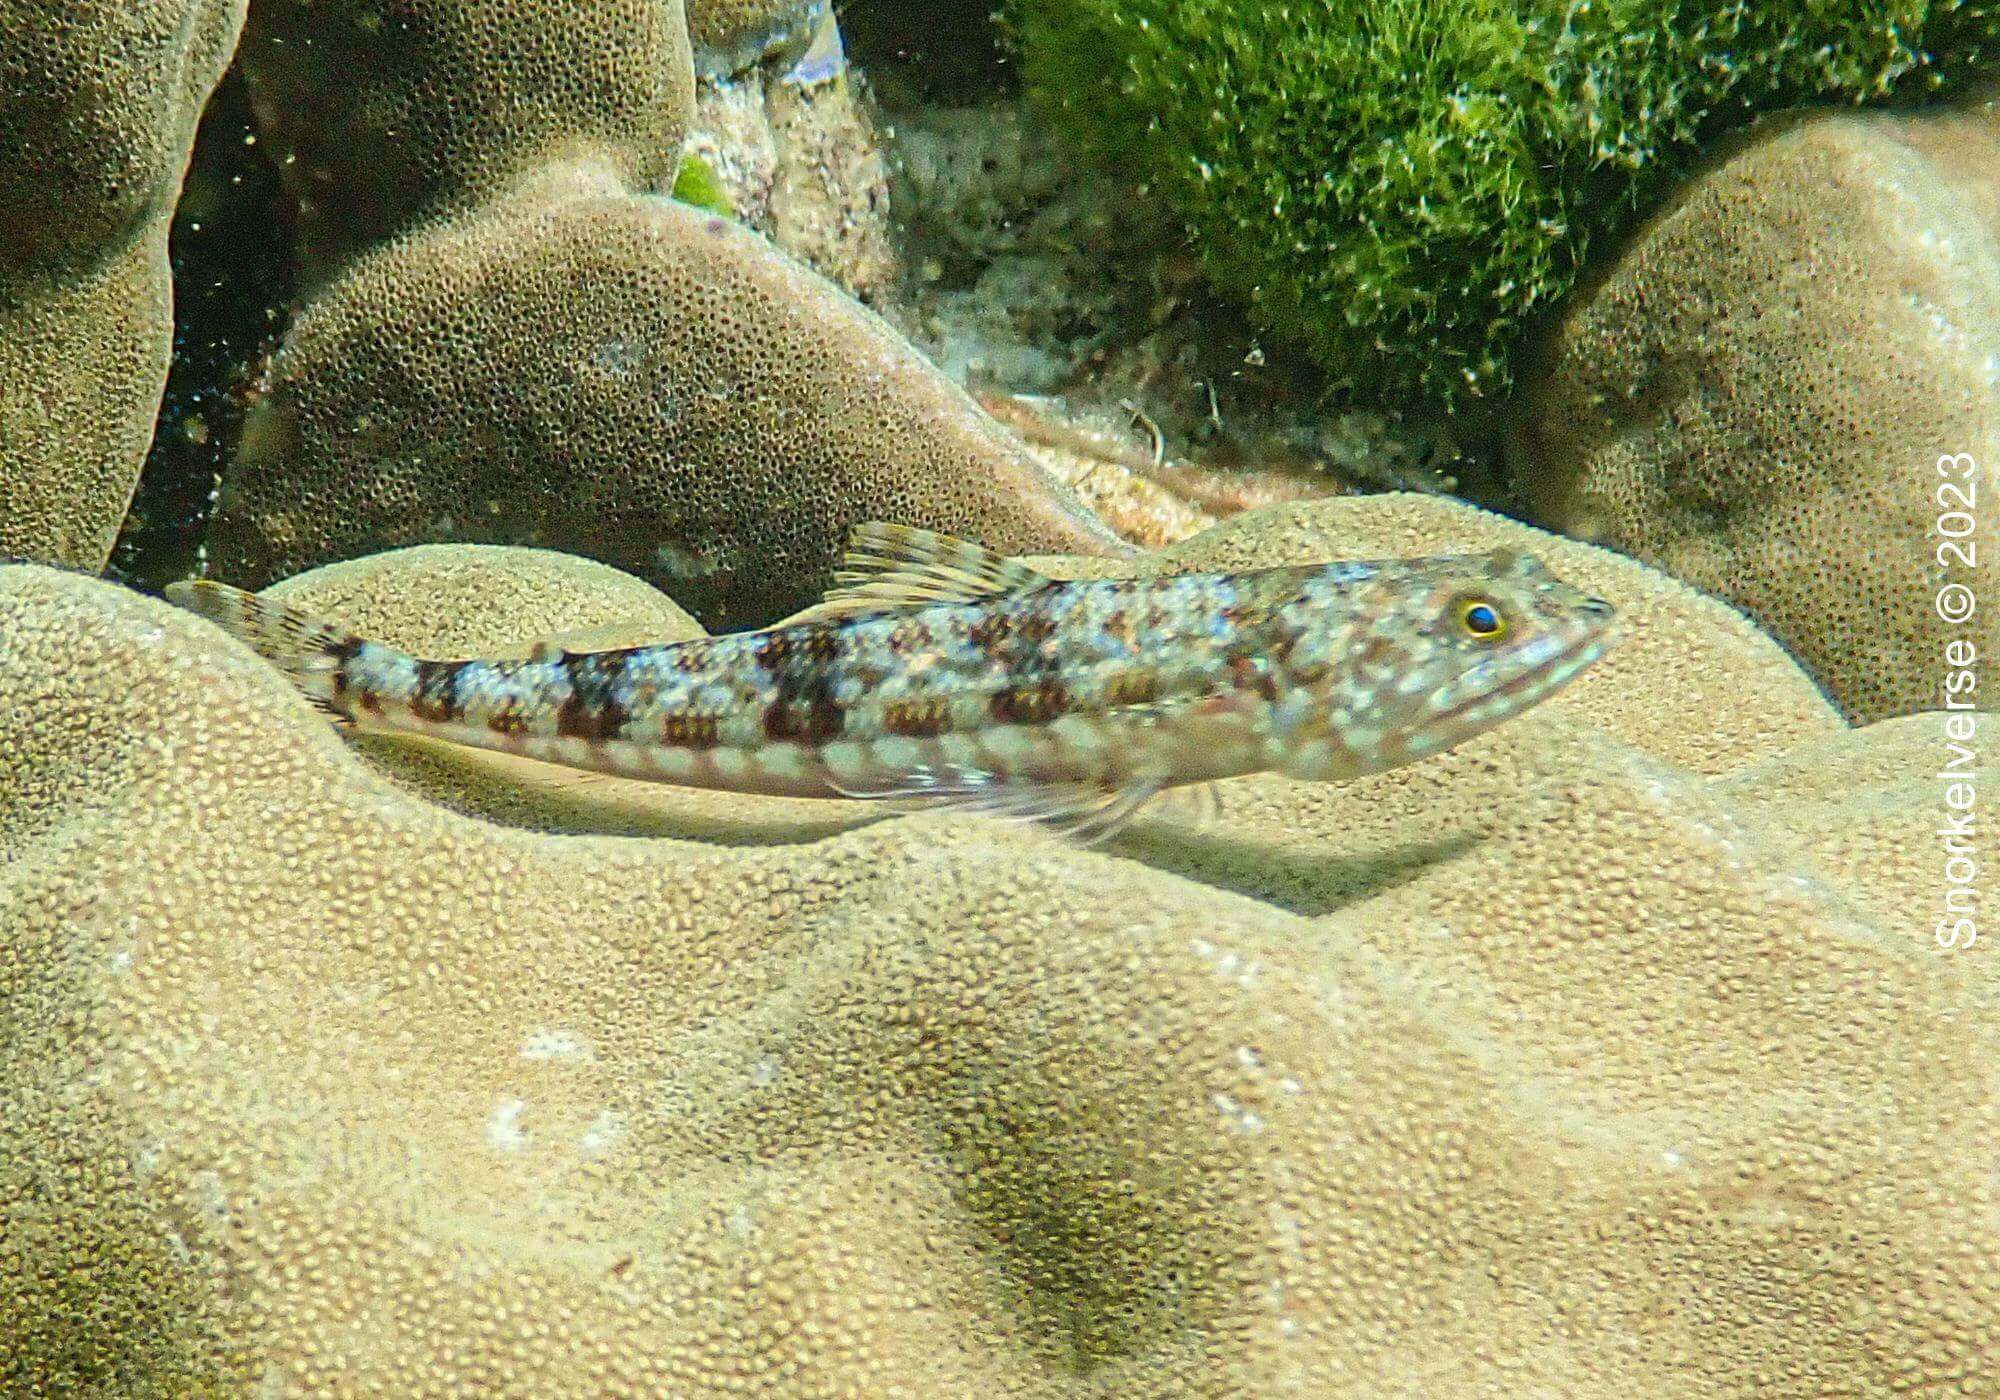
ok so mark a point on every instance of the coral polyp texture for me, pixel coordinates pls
(1566, 1063)
(551, 351)
(625, 375)
(1402, 186)
(381, 115)
(1756, 395)
(98, 104)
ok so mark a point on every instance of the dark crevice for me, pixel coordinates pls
(231, 246)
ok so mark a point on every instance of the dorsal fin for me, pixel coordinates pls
(899, 566)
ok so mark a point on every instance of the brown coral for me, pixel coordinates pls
(551, 354)
(98, 103)
(1756, 396)
(590, 368)
(1539, 1068)
(383, 115)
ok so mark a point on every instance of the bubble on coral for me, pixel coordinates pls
(1005, 1137)
(98, 105)
(1756, 396)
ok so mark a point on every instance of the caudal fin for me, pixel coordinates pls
(310, 650)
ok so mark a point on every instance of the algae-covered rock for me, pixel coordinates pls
(98, 103)
(1577, 1075)
(1402, 186)
(1757, 396)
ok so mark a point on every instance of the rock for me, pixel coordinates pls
(1574, 1078)
(799, 156)
(98, 104)
(1756, 395)
(731, 35)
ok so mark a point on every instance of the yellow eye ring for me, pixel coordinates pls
(1481, 620)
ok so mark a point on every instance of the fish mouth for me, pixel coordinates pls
(1548, 677)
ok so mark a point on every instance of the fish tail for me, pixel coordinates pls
(311, 651)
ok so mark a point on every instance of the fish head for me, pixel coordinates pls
(1402, 659)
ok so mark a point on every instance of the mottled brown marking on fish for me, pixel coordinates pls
(988, 632)
(1283, 641)
(1248, 672)
(435, 699)
(774, 651)
(911, 637)
(794, 646)
(916, 719)
(1132, 688)
(508, 721)
(1037, 626)
(1119, 626)
(804, 712)
(1033, 702)
(342, 652)
(690, 731)
(591, 711)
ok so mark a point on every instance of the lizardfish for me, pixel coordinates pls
(938, 671)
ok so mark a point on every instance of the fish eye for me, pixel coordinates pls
(1481, 620)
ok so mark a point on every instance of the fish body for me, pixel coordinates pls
(938, 671)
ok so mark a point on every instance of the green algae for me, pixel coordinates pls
(1403, 186)
(697, 183)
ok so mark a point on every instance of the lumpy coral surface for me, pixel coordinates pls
(1578, 1061)
(629, 376)
(513, 335)
(98, 102)
(1756, 396)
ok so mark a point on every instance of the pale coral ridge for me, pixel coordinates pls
(1552, 1066)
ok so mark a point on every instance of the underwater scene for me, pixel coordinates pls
(1031, 698)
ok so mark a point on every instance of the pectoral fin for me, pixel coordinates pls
(1083, 812)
